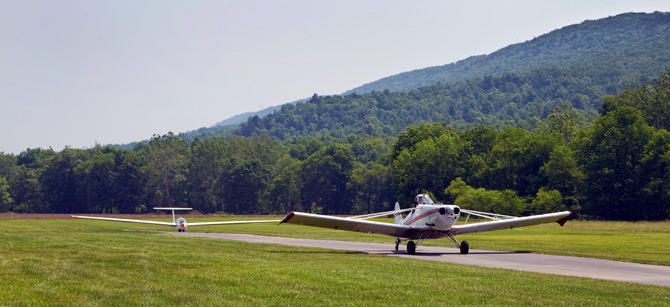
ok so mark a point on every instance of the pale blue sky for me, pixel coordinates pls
(73, 73)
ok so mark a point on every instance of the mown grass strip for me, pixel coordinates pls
(64, 262)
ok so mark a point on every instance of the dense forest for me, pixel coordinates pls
(616, 167)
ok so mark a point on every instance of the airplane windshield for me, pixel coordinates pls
(423, 199)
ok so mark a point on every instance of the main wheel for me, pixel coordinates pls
(465, 247)
(411, 247)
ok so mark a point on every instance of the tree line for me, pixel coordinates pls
(616, 167)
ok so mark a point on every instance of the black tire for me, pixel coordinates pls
(411, 248)
(465, 247)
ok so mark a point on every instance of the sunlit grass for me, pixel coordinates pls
(89, 263)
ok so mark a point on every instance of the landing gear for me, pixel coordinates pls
(397, 243)
(411, 247)
(465, 247)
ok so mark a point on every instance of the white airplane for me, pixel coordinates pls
(427, 220)
(180, 223)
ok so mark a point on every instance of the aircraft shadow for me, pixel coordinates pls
(459, 254)
(320, 252)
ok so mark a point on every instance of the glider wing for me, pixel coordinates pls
(231, 222)
(122, 220)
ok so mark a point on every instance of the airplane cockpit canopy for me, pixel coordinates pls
(422, 199)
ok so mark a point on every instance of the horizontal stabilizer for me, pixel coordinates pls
(171, 208)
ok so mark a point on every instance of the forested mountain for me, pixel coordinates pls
(518, 85)
(634, 42)
(616, 168)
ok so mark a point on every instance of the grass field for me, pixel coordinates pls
(81, 262)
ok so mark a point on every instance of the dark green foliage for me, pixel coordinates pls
(167, 161)
(244, 186)
(610, 153)
(325, 175)
(7, 164)
(370, 188)
(520, 100)
(60, 185)
(6, 201)
(653, 101)
(206, 165)
(26, 190)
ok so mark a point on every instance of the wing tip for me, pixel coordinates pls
(73, 216)
(565, 219)
(287, 217)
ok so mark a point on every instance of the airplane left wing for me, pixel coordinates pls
(558, 217)
(334, 222)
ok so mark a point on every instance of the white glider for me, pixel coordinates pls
(180, 223)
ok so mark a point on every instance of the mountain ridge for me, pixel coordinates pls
(575, 66)
(457, 71)
(604, 56)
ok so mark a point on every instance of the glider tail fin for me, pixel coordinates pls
(397, 215)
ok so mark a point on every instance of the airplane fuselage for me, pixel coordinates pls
(437, 216)
(181, 224)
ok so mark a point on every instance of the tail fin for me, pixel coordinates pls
(172, 209)
(397, 215)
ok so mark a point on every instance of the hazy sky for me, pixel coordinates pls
(73, 73)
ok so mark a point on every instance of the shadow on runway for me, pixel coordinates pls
(320, 252)
(418, 253)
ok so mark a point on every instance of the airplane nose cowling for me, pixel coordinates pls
(447, 217)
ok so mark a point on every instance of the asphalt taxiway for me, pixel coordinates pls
(521, 261)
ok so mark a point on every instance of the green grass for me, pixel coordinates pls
(81, 262)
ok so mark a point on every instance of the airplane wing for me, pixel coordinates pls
(559, 217)
(333, 222)
(231, 222)
(123, 220)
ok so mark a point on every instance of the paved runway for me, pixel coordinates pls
(560, 265)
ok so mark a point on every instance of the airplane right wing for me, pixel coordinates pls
(350, 224)
(558, 217)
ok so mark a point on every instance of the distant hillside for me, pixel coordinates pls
(625, 38)
(238, 119)
(518, 85)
